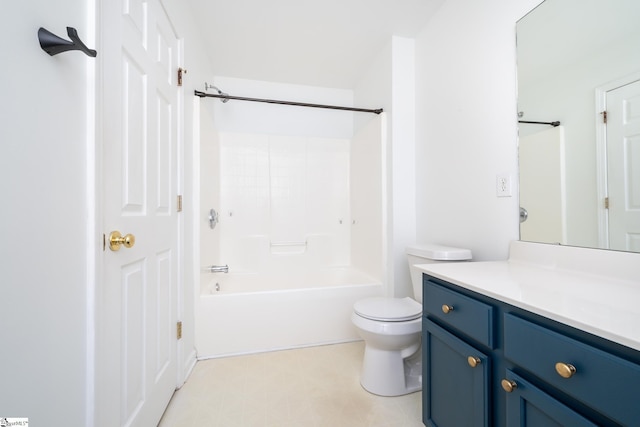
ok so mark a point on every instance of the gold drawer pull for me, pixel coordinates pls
(508, 385)
(565, 370)
(473, 361)
(446, 309)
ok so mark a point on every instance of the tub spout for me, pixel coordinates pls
(219, 269)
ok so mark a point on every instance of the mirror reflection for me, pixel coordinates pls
(579, 65)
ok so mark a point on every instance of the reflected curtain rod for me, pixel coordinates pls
(554, 124)
(225, 97)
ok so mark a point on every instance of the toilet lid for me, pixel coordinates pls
(388, 309)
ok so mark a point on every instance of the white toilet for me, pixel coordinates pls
(391, 329)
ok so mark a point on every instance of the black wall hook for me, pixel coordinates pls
(54, 45)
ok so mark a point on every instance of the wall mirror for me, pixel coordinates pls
(579, 65)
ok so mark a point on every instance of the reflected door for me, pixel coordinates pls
(542, 186)
(623, 167)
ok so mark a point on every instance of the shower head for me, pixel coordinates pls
(208, 86)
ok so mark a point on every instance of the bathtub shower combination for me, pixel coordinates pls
(300, 228)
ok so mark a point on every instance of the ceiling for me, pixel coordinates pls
(326, 43)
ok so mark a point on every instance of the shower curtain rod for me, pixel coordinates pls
(274, 101)
(554, 124)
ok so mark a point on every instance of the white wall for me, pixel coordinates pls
(374, 90)
(389, 83)
(46, 227)
(403, 174)
(466, 129)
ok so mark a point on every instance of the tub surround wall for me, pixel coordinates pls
(368, 151)
(209, 167)
(284, 202)
(289, 179)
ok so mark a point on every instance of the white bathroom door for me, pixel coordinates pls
(136, 336)
(623, 166)
(542, 186)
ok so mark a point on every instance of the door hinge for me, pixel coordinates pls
(181, 71)
(604, 117)
(179, 209)
(179, 330)
(606, 203)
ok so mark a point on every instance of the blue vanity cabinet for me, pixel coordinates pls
(597, 378)
(488, 363)
(528, 406)
(462, 314)
(457, 332)
(456, 378)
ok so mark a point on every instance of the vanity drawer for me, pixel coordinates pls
(598, 379)
(471, 317)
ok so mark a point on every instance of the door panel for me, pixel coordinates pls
(528, 406)
(133, 384)
(134, 144)
(138, 312)
(454, 393)
(542, 186)
(623, 166)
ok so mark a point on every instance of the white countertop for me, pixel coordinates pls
(604, 305)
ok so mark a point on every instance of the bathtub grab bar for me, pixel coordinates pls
(218, 269)
(289, 243)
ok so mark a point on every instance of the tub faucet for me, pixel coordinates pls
(219, 269)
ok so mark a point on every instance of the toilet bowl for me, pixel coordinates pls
(391, 329)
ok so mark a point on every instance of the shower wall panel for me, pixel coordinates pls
(284, 202)
(367, 197)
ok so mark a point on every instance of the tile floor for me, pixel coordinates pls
(308, 387)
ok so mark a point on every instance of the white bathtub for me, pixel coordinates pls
(251, 313)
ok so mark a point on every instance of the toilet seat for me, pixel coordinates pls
(388, 309)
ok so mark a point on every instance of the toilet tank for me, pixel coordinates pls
(431, 254)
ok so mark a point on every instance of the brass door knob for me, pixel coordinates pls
(473, 361)
(565, 370)
(116, 240)
(446, 309)
(508, 385)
